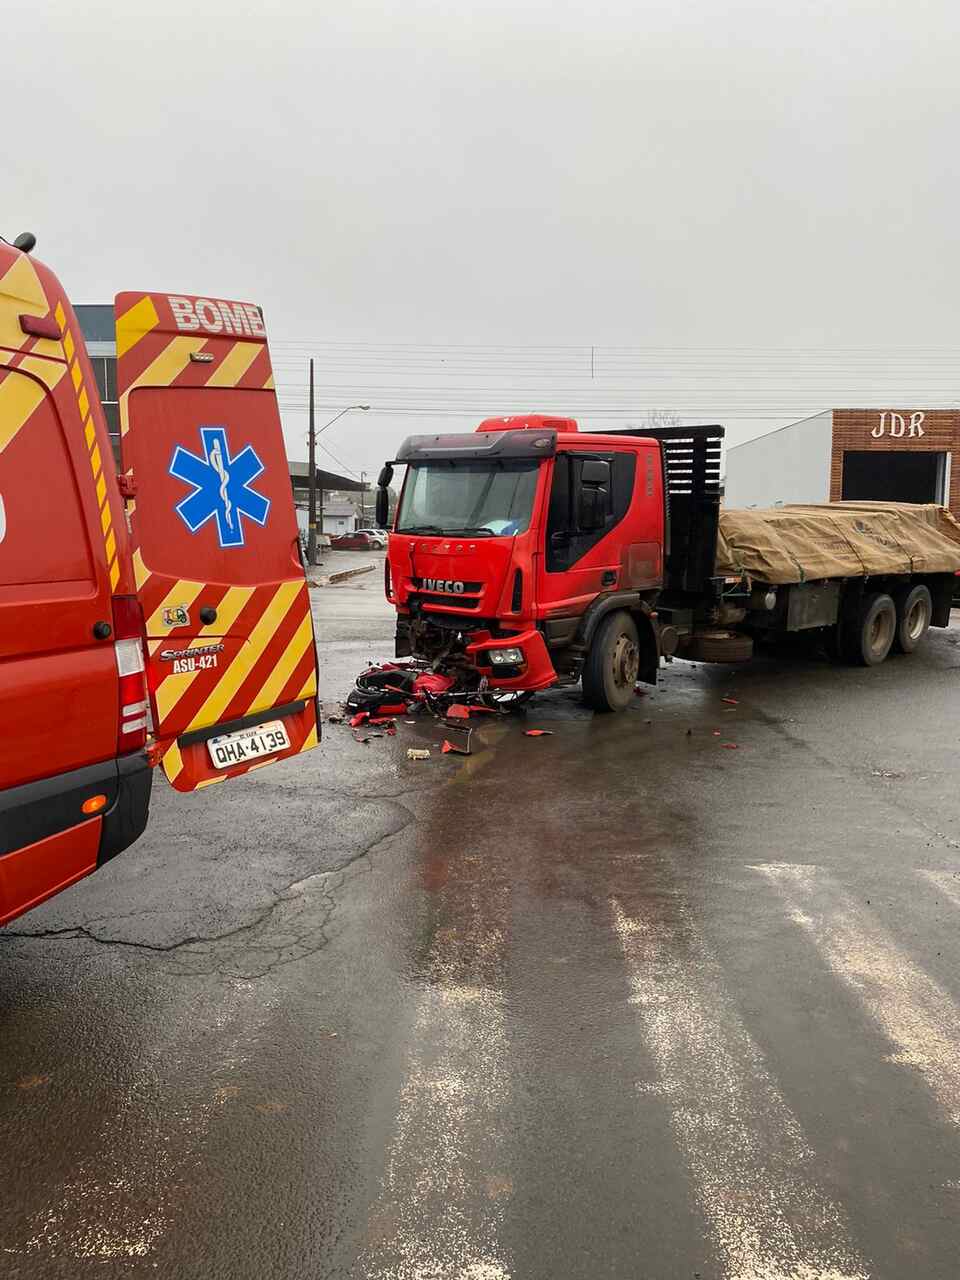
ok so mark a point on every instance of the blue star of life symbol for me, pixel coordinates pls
(221, 486)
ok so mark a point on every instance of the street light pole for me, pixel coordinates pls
(312, 482)
(312, 465)
(363, 499)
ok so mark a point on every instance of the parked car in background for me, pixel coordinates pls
(359, 540)
(380, 535)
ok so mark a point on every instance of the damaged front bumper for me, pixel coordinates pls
(519, 661)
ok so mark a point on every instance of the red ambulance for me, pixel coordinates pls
(155, 616)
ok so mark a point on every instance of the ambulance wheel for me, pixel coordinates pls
(873, 632)
(611, 667)
(914, 611)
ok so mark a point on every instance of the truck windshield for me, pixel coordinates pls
(480, 498)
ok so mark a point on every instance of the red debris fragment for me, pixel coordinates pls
(432, 682)
(732, 701)
(391, 731)
(716, 733)
(538, 733)
(392, 709)
(359, 718)
(458, 712)
(454, 746)
(381, 720)
(730, 746)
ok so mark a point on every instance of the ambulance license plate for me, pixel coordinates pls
(248, 744)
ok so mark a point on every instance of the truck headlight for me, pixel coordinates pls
(506, 657)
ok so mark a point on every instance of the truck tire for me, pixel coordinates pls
(612, 664)
(871, 636)
(719, 646)
(914, 611)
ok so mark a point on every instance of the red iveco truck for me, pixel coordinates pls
(158, 615)
(529, 554)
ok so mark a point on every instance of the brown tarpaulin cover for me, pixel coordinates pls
(837, 540)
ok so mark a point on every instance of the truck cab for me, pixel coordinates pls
(535, 553)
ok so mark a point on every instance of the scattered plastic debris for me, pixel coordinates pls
(716, 733)
(418, 753)
(734, 702)
(538, 733)
(458, 712)
(460, 749)
(730, 746)
(359, 718)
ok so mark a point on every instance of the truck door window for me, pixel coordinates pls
(566, 543)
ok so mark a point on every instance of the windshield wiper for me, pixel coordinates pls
(475, 528)
(421, 528)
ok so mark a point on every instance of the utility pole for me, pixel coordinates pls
(363, 499)
(312, 482)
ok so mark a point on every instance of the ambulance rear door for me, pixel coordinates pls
(231, 661)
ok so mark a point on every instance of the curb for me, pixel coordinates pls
(333, 578)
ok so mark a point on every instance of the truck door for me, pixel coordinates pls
(230, 648)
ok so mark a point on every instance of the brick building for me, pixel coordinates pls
(887, 455)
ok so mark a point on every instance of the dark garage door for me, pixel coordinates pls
(893, 475)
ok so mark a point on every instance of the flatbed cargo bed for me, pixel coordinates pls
(794, 544)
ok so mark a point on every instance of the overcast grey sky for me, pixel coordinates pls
(513, 184)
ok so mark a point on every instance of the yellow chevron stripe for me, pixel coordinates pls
(95, 461)
(135, 324)
(182, 592)
(310, 740)
(89, 433)
(140, 571)
(76, 374)
(172, 762)
(83, 402)
(234, 365)
(114, 575)
(249, 655)
(101, 491)
(68, 347)
(172, 688)
(105, 518)
(171, 362)
(48, 371)
(269, 385)
(210, 782)
(309, 689)
(20, 293)
(111, 545)
(270, 692)
(19, 397)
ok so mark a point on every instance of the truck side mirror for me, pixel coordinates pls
(591, 508)
(592, 494)
(595, 471)
(385, 477)
(383, 506)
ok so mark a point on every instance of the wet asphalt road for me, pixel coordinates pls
(618, 1002)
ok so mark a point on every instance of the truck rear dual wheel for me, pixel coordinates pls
(914, 611)
(867, 638)
(610, 669)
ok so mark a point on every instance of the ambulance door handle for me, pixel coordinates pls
(208, 615)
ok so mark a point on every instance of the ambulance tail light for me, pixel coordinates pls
(128, 648)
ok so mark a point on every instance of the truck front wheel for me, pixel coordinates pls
(914, 611)
(612, 664)
(874, 630)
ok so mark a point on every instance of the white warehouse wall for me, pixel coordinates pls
(791, 464)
